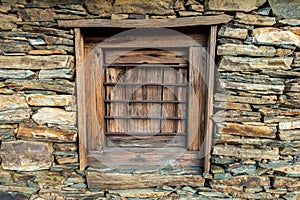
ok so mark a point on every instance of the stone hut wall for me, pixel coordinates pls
(256, 154)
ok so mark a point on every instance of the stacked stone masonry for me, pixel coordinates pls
(256, 152)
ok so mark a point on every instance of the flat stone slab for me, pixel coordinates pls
(25, 156)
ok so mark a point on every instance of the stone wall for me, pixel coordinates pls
(257, 149)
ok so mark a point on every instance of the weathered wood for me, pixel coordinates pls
(150, 40)
(129, 181)
(148, 23)
(146, 141)
(144, 56)
(144, 158)
(194, 131)
(210, 100)
(80, 83)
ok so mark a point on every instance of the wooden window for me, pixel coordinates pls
(145, 101)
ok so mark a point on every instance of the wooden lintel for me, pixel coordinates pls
(146, 23)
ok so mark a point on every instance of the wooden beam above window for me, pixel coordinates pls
(146, 23)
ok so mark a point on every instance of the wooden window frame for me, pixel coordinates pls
(211, 21)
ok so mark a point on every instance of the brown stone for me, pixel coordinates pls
(102, 7)
(52, 85)
(156, 7)
(247, 130)
(285, 9)
(244, 180)
(235, 5)
(51, 40)
(229, 63)
(275, 36)
(284, 52)
(25, 156)
(290, 99)
(290, 169)
(255, 19)
(49, 100)
(239, 152)
(292, 22)
(237, 33)
(236, 116)
(285, 182)
(54, 116)
(233, 106)
(248, 50)
(6, 25)
(225, 188)
(46, 52)
(42, 133)
(36, 14)
(37, 62)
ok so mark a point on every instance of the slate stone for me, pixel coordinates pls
(156, 7)
(54, 116)
(275, 36)
(235, 5)
(16, 74)
(255, 19)
(13, 46)
(41, 133)
(25, 156)
(247, 50)
(237, 33)
(36, 14)
(285, 9)
(49, 100)
(102, 7)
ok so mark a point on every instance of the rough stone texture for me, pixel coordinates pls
(41, 133)
(285, 9)
(11, 46)
(248, 130)
(248, 50)
(239, 152)
(102, 7)
(25, 156)
(275, 36)
(37, 62)
(54, 116)
(49, 100)
(16, 74)
(235, 5)
(252, 64)
(255, 19)
(238, 33)
(143, 7)
(36, 14)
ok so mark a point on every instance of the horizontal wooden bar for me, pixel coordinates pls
(146, 65)
(145, 84)
(145, 118)
(145, 158)
(143, 133)
(144, 101)
(147, 23)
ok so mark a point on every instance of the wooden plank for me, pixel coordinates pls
(194, 107)
(182, 77)
(145, 141)
(144, 158)
(104, 181)
(148, 23)
(169, 109)
(152, 40)
(144, 56)
(209, 107)
(80, 85)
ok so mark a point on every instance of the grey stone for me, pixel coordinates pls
(233, 32)
(25, 156)
(247, 50)
(235, 5)
(229, 63)
(16, 74)
(54, 116)
(285, 9)
(12, 46)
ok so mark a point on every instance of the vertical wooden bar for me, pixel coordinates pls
(80, 88)
(209, 111)
(193, 140)
(97, 139)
